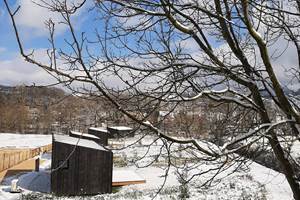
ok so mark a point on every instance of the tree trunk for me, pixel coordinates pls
(285, 165)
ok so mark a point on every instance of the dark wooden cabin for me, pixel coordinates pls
(120, 131)
(101, 133)
(80, 167)
(84, 136)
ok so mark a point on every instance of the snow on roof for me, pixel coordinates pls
(78, 141)
(84, 134)
(121, 128)
(125, 176)
(102, 129)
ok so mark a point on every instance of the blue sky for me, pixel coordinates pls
(30, 19)
(33, 35)
(7, 40)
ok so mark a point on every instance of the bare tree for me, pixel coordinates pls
(165, 53)
(14, 115)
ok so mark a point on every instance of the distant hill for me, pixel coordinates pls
(32, 95)
(6, 89)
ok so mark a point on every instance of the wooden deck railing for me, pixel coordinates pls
(12, 157)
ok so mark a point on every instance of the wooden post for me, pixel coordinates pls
(37, 164)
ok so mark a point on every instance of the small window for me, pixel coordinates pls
(62, 164)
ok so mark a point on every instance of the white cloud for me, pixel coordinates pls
(32, 17)
(2, 49)
(17, 71)
(285, 63)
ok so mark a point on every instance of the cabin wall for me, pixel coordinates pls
(114, 133)
(103, 136)
(88, 172)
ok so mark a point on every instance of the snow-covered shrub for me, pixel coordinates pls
(121, 160)
(183, 188)
(34, 196)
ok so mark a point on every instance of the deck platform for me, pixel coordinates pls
(126, 177)
(25, 166)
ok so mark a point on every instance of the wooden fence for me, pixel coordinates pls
(12, 157)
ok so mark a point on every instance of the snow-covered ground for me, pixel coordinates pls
(255, 182)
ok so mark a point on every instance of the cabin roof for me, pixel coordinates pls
(84, 134)
(78, 141)
(102, 129)
(121, 128)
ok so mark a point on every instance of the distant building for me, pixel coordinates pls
(85, 136)
(101, 133)
(7, 89)
(120, 131)
(80, 167)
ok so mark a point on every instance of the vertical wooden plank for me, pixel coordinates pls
(82, 178)
(10, 160)
(53, 174)
(70, 179)
(23, 155)
(13, 161)
(75, 170)
(81, 171)
(61, 174)
(102, 170)
(86, 169)
(94, 172)
(30, 153)
(110, 169)
(73, 167)
(6, 161)
(61, 177)
(1, 162)
(17, 158)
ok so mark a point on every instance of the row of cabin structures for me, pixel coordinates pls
(81, 162)
(115, 132)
